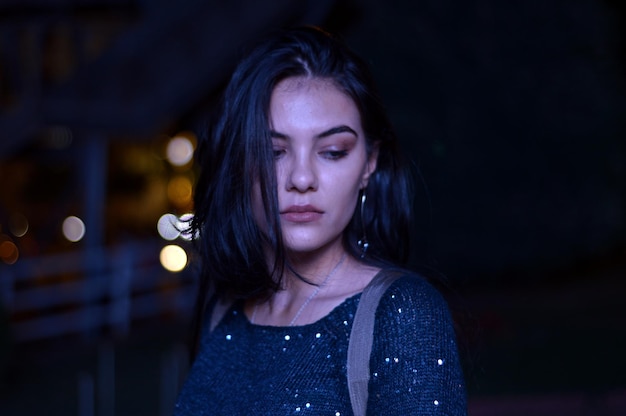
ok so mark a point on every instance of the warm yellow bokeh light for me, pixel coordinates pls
(179, 190)
(8, 252)
(73, 229)
(173, 258)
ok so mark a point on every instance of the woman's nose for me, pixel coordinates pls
(302, 175)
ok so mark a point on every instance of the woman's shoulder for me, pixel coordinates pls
(412, 295)
(413, 313)
(411, 285)
(415, 345)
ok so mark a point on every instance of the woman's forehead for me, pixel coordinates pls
(298, 83)
(309, 105)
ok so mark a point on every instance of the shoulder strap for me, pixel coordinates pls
(362, 336)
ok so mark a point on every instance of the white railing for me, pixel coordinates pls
(91, 290)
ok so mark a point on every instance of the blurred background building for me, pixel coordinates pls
(512, 113)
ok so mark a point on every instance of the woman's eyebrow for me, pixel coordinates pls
(329, 132)
(336, 130)
(277, 135)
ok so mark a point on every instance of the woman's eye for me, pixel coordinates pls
(334, 154)
(278, 153)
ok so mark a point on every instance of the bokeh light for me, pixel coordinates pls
(9, 252)
(18, 225)
(173, 258)
(179, 151)
(179, 190)
(58, 137)
(168, 227)
(73, 229)
(184, 225)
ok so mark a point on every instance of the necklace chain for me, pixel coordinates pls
(311, 296)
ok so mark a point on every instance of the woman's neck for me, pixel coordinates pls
(312, 287)
(312, 267)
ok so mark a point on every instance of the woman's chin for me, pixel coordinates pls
(309, 245)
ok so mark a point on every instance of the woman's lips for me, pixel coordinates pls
(301, 213)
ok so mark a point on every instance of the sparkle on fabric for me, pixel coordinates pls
(322, 345)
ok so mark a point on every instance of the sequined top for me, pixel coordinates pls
(243, 368)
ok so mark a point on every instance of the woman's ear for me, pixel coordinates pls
(370, 166)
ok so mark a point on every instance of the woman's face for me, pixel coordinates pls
(321, 162)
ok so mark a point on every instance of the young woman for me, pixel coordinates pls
(302, 200)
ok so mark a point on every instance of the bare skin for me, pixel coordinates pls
(321, 164)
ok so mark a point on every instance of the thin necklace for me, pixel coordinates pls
(311, 296)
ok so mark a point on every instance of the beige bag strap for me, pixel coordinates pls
(362, 336)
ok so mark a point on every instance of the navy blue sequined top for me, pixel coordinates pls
(243, 368)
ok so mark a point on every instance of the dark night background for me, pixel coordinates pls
(513, 114)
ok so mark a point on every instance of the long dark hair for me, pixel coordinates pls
(237, 151)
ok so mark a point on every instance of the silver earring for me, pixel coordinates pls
(363, 243)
